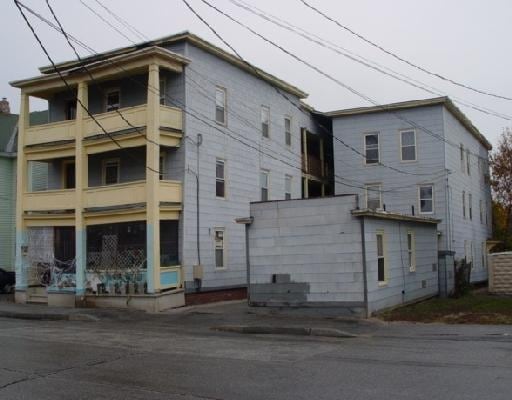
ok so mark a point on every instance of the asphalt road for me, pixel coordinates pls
(181, 358)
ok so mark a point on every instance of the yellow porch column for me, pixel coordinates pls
(81, 183)
(153, 180)
(21, 188)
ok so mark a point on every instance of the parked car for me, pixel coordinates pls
(7, 281)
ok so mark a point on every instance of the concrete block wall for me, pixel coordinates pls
(315, 244)
(500, 273)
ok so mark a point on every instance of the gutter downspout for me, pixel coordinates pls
(363, 250)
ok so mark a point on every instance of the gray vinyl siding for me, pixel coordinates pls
(245, 96)
(400, 278)
(465, 229)
(7, 212)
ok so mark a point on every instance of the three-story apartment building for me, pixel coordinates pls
(153, 151)
(422, 158)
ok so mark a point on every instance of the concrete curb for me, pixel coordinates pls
(48, 316)
(284, 330)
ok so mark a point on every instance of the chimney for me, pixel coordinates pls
(4, 106)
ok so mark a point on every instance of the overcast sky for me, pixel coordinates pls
(467, 41)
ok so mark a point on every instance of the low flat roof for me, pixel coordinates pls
(394, 216)
(444, 101)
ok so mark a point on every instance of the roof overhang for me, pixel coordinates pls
(102, 68)
(196, 41)
(394, 216)
(442, 101)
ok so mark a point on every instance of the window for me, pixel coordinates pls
(220, 105)
(411, 251)
(112, 100)
(408, 145)
(288, 131)
(381, 260)
(161, 166)
(484, 255)
(468, 161)
(68, 174)
(163, 91)
(486, 214)
(470, 205)
(481, 207)
(265, 121)
(463, 204)
(71, 109)
(264, 185)
(220, 183)
(426, 196)
(220, 261)
(371, 148)
(110, 171)
(287, 187)
(462, 165)
(373, 196)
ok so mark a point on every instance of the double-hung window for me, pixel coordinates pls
(161, 166)
(112, 100)
(265, 121)
(373, 196)
(408, 145)
(468, 161)
(111, 171)
(220, 105)
(463, 204)
(220, 261)
(462, 164)
(470, 205)
(426, 197)
(220, 178)
(481, 207)
(411, 251)
(264, 184)
(287, 187)
(288, 131)
(371, 148)
(381, 258)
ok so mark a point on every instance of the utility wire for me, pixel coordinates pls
(258, 149)
(123, 22)
(317, 69)
(68, 87)
(396, 56)
(359, 59)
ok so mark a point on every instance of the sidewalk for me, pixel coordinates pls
(230, 316)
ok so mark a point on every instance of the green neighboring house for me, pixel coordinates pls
(8, 145)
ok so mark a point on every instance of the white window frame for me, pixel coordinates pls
(464, 204)
(105, 99)
(366, 190)
(462, 162)
(365, 148)
(419, 199)
(223, 90)
(223, 179)
(411, 251)
(470, 206)
(402, 145)
(265, 172)
(288, 132)
(380, 233)
(104, 163)
(161, 165)
(162, 90)
(223, 247)
(265, 109)
(288, 181)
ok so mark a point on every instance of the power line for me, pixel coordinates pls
(255, 148)
(123, 22)
(394, 55)
(68, 87)
(317, 69)
(358, 58)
